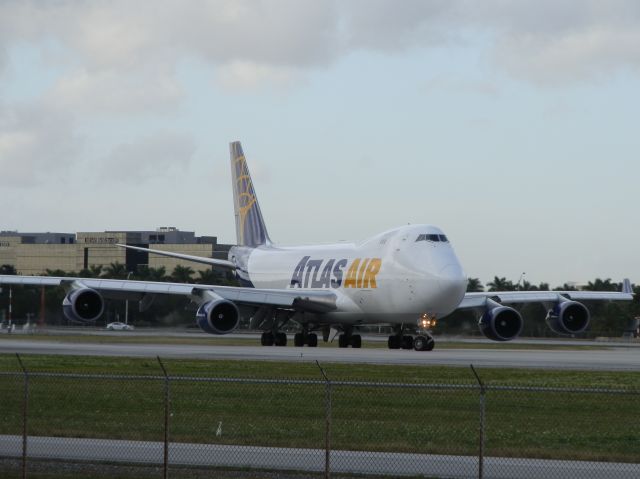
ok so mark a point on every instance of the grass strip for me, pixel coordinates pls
(541, 424)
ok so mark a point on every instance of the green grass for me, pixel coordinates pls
(562, 425)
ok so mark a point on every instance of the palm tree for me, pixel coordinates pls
(208, 276)
(474, 285)
(146, 273)
(96, 270)
(93, 271)
(501, 284)
(526, 286)
(601, 285)
(115, 271)
(182, 274)
(8, 269)
(56, 272)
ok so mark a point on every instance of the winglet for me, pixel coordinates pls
(626, 286)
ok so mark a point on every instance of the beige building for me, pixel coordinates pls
(206, 250)
(35, 253)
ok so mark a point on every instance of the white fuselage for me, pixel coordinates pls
(393, 277)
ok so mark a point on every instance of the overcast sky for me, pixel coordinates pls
(514, 126)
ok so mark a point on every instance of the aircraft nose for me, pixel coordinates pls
(452, 281)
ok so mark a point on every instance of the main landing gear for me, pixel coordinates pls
(310, 339)
(347, 338)
(421, 342)
(270, 338)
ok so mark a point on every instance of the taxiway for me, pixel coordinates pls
(606, 359)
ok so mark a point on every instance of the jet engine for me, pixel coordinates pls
(501, 323)
(218, 316)
(83, 305)
(568, 317)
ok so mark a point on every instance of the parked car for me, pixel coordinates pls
(118, 326)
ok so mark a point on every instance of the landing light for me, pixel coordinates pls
(426, 321)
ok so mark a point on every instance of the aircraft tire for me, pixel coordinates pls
(430, 344)
(394, 342)
(298, 340)
(280, 339)
(422, 343)
(407, 342)
(343, 341)
(356, 341)
(267, 339)
(312, 340)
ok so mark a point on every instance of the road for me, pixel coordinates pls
(606, 359)
(354, 462)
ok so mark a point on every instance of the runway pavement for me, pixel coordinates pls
(606, 359)
(354, 462)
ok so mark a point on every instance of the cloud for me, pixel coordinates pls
(115, 93)
(387, 25)
(252, 43)
(36, 144)
(149, 157)
(548, 42)
(241, 76)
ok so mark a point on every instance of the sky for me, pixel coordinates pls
(513, 126)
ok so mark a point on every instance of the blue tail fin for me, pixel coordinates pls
(250, 227)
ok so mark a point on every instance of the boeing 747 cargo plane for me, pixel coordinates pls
(407, 277)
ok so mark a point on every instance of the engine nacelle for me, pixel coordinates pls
(218, 316)
(501, 323)
(83, 305)
(568, 318)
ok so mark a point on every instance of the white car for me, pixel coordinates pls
(117, 326)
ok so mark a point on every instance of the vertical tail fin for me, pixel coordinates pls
(250, 227)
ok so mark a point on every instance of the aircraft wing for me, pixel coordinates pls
(196, 259)
(311, 301)
(478, 300)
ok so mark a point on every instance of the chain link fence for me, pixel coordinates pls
(58, 425)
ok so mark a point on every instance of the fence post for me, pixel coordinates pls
(482, 425)
(327, 424)
(25, 415)
(165, 461)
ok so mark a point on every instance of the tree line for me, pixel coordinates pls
(608, 319)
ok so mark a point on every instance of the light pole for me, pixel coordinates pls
(126, 304)
(10, 305)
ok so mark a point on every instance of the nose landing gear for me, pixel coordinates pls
(421, 342)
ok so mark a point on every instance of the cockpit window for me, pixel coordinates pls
(431, 237)
(443, 238)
